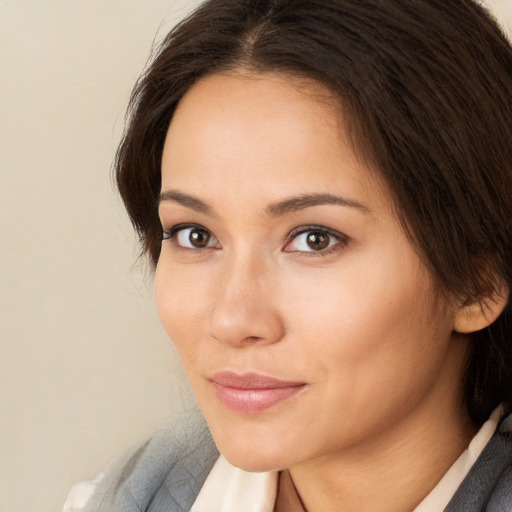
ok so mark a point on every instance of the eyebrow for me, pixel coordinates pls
(185, 200)
(291, 205)
(296, 204)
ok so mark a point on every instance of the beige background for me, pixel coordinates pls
(85, 367)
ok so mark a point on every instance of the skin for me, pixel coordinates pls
(359, 322)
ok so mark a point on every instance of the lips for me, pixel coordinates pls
(252, 393)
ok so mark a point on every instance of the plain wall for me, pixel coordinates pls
(86, 369)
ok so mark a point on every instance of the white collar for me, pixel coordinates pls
(230, 489)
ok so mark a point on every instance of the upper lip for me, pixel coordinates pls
(251, 381)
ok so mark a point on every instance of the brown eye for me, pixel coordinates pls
(191, 237)
(317, 240)
(198, 238)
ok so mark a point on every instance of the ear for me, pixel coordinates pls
(476, 315)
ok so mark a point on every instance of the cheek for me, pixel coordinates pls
(180, 301)
(355, 302)
(373, 350)
(372, 321)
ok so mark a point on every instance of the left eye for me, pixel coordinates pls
(313, 240)
(191, 237)
(194, 238)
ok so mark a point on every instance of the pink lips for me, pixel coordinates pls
(252, 393)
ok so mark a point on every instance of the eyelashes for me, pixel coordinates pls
(191, 236)
(315, 240)
(307, 240)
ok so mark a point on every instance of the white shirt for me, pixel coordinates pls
(230, 489)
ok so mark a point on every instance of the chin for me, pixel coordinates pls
(254, 463)
(252, 455)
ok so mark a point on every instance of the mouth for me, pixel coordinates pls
(252, 393)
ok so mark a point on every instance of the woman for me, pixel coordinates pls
(324, 188)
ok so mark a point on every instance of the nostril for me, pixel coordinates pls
(253, 338)
(247, 339)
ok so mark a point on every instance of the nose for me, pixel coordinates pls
(244, 309)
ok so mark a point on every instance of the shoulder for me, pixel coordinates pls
(165, 473)
(501, 497)
(488, 485)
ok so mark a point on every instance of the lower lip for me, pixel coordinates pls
(253, 401)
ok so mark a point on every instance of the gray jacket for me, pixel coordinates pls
(166, 473)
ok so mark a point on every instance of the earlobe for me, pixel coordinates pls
(473, 316)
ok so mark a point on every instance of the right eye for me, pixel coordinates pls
(191, 237)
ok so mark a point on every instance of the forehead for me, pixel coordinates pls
(234, 85)
(255, 103)
(241, 132)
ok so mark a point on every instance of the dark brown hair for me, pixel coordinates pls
(427, 88)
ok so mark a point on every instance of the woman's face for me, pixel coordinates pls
(304, 318)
